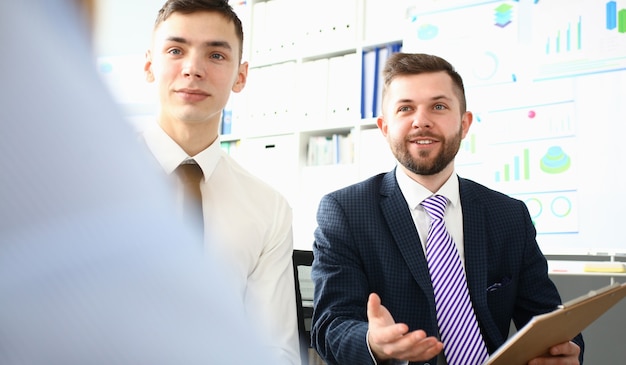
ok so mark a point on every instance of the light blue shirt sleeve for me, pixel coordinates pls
(95, 268)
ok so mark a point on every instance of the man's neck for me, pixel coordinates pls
(193, 138)
(431, 182)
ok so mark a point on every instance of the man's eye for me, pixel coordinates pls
(217, 56)
(404, 109)
(440, 107)
(174, 51)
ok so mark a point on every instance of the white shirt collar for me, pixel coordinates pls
(415, 193)
(169, 154)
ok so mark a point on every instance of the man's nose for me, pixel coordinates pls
(421, 119)
(193, 68)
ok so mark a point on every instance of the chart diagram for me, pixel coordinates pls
(552, 212)
(584, 37)
(478, 38)
(530, 153)
(545, 82)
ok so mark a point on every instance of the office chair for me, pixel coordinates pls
(302, 261)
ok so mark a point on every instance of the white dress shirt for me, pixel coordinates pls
(250, 224)
(414, 193)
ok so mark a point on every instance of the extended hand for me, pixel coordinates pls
(390, 340)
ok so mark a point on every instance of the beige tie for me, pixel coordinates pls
(190, 174)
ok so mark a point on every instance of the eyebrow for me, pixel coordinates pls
(440, 97)
(211, 44)
(434, 98)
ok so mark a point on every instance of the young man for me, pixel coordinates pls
(381, 280)
(195, 61)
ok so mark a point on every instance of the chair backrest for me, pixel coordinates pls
(302, 261)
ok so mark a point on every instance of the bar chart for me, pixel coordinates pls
(566, 40)
(615, 18)
(584, 37)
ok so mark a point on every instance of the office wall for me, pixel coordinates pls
(122, 34)
(603, 338)
(124, 27)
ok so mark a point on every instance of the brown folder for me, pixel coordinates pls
(561, 325)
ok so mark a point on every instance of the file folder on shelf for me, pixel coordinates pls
(368, 72)
(561, 325)
(382, 55)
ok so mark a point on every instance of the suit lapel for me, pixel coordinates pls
(400, 222)
(474, 238)
(476, 257)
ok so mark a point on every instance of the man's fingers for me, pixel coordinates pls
(373, 305)
(566, 348)
(377, 314)
(421, 347)
(388, 334)
(414, 346)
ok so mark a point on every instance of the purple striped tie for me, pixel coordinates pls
(458, 327)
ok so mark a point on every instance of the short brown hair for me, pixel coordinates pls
(417, 63)
(192, 6)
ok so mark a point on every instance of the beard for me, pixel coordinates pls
(424, 164)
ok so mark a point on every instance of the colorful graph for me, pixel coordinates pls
(571, 37)
(555, 160)
(548, 87)
(553, 212)
(566, 40)
(517, 170)
(615, 19)
(584, 37)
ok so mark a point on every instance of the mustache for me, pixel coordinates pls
(423, 135)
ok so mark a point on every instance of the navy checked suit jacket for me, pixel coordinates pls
(366, 242)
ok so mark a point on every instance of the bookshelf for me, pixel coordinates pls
(305, 122)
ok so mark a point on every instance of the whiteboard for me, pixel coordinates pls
(546, 81)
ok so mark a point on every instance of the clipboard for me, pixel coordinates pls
(561, 325)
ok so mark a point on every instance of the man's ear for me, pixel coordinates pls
(382, 125)
(242, 77)
(466, 122)
(147, 67)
